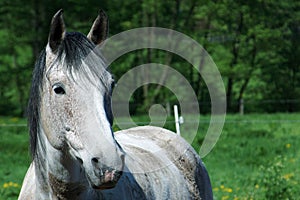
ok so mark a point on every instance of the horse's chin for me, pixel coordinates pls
(108, 181)
(105, 186)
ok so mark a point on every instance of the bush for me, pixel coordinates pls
(275, 182)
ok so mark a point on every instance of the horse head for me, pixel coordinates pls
(75, 105)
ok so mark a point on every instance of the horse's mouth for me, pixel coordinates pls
(108, 180)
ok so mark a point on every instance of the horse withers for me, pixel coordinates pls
(75, 154)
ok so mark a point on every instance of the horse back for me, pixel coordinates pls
(163, 164)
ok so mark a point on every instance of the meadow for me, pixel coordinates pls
(256, 157)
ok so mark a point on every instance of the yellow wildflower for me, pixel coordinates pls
(288, 145)
(10, 184)
(288, 176)
(228, 190)
(16, 185)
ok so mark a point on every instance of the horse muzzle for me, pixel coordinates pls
(105, 177)
(108, 180)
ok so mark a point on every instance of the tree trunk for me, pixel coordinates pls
(234, 61)
(168, 57)
(249, 74)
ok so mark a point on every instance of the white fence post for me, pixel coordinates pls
(177, 123)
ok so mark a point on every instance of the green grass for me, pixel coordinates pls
(256, 157)
(14, 156)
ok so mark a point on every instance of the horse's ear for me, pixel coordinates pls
(99, 30)
(57, 31)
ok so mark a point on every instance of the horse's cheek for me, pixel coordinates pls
(53, 126)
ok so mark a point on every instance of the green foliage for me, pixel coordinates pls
(255, 45)
(256, 157)
(14, 156)
(275, 182)
(10, 190)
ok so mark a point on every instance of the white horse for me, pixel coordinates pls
(75, 154)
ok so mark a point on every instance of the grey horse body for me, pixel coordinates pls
(164, 165)
(75, 154)
(159, 165)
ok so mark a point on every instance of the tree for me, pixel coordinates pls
(255, 44)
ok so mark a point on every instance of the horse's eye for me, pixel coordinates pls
(58, 89)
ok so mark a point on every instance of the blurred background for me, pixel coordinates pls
(255, 45)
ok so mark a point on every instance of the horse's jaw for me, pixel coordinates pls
(58, 173)
(61, 174)
(67, 190)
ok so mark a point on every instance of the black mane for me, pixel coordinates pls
(72, 51)
(33, 110)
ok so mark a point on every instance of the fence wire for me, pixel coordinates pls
(229, 121)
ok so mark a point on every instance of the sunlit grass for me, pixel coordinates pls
(257, 156)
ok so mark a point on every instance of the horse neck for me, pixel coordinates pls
(57, 174)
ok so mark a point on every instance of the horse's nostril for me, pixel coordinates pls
(67, 128)
(95, 160)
